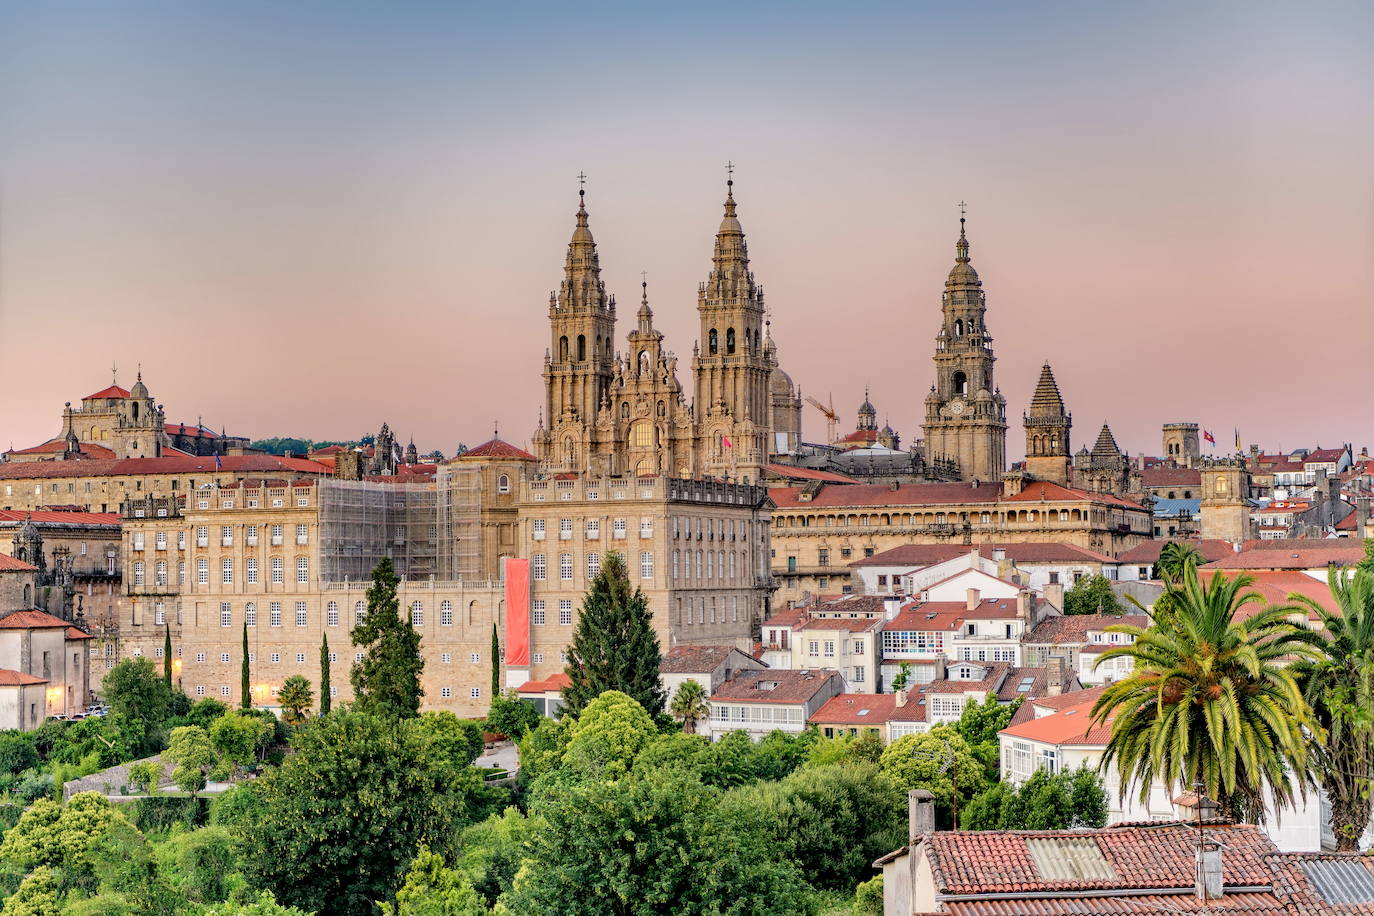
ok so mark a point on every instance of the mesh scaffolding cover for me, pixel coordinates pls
(363, 521)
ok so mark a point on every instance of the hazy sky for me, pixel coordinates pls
(307, 218)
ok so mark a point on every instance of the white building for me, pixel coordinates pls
(759, 702)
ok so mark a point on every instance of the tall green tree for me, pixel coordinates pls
(614, 646)
(345, 813)
(386, 682)
(326, 700)
(189, 749)
(138, 694)
(1064, 800)
(245, 690)
(689, 705)
(1091, 595)
(167, 655)
(495, 663)
(1211, 698)
(1339, 685)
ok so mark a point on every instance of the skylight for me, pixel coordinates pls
(1025, 684)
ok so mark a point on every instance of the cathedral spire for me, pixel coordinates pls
(1047, 401)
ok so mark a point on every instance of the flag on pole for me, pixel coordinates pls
(1211, 440)
(218, 464)
(1238, 446)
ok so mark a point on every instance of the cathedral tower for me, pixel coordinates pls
(1047, 431)
(651, 419)
(966, 415)
(579, 363)
(732, 367)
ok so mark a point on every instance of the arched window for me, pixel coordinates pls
(503, 484)
(135, 407)
(958, 327)
(624, 410)
(563, 348)
(729, 340)
(569, 451)
(662, 409)
(712, 343)
(581, 347)
(643, 434)
(960, 381)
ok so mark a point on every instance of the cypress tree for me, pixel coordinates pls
(614, 646)
(386, 683)
(495, 664)
(324, 676)
(246, 702)
(167, 654)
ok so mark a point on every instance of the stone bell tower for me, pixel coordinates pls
(1048, 426)
(966, 415)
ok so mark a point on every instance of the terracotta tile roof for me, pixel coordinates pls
(182, 429)
(10, 564)
(114, 391)
(74, 633)
(693, 659)
(1044, 490)
(1233, 904)
(786, 617)
(1171, 477)
(552, 682)
(1070, 725)
(59, 446)
(1325, 455)
(1292, 554)
(1149, 857)
(860, 437)
(171, 464)
(791, 686)
(31, 620)
(871, 709)
(1035, 679)
(10, 678)
(1275, 587)
(992, 679)
(1070, 629)
(795, 473)
(61, 517)
(933, 616)
(1087, 695)
(879, 495)
(496, 448)
(920, 555)
(1148, 551)
(913, 710)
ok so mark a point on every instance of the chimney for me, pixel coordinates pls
(1054, 594)
(1361, 515)
(1023, 608)
(920, 815)
(900, 694)
(973, 598)
(1054, 675)
(1005, 570)
(941, 668)
(999, 554)
(891, 606)
(1208, 878)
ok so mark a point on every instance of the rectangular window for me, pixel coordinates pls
(593, 565)
(303, 570)
(274, 614)
(618, 528)
(181, 540)
(226, 535)
(813, 649)
(203, 571)
(138, 540)
(445, 613)
(250, 614)
(565, 529)
(646, 564)
(540, 566)
(300, 614)
(226, 615)
(278, 571)
(300, 658)
(276, 535)
(159, 614)
(823, 559)
(593, 529)
(417, 613)
(251, 573)
(226, 571)
(565, 566)
(224, 658)
(302, 534)
(276, 657)
(445, 692)
(200, 690)
(475, 658)
(537, 529)
(646, 527)
(537, 613)
(475, 692)
(331, 614)
(159, 541)
(445, 658)
(138, 572)
(829, 648)
(859, 674)
(565, 612)
(251, 535)
(200, 657)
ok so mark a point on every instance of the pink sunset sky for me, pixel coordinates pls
(306, 219)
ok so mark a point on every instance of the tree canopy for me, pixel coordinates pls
(1090, 595)
(387, 681)
(614, 646)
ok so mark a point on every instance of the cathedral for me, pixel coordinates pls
(612, 413)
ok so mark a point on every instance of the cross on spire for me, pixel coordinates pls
(729, 170)
(581, 182)
(114, 373)
(963, 209)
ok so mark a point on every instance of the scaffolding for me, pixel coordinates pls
(459, 511)
(363, 521)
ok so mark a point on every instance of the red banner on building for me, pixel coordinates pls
(517, 613)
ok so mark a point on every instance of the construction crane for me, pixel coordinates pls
(832, 419)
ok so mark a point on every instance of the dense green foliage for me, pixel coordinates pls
(326, 678)
(614, 646)
(135, 691)
(511, 716)
(1069, 798)
(689, 705)
(1212, 698)
(1091, 595)
(386, 682)
(939, 761)
(979, 724)
(432, 889)
(295, 697)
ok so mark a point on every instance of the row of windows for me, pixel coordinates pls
(539, 564)
(276, 534)
(226, 571)
(708, 562)
(591, 529)
(331, 613)
(445, 692)
(564, 612)
(686, 607)
(226, 658)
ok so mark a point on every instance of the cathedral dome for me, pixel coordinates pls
(963, 274)
(779, 382)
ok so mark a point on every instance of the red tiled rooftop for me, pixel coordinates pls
(792, 686)
(59, 446)
(865, 495)
(921, 555)
(61, 517)
(693, 659)
(10, 564)
(183, 429)
(871, 709)
(497, 448)
(1292, 554)
(131, 467)
(74, 633)
(114, 391)
(1171, 477)
(1068, 629)
(10, 678)
(1071, 725)
(1148, 551)
(1043, 490)
(796, 473)
(552, 682)
(31, 620)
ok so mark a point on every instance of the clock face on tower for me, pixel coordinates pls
(957, 407)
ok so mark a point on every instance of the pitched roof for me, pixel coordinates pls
(31, 620)
(74, 633)
(1045, 491)
(915, 556)
(795, 473)
(194, 429)
(1292, 554)
(1070, 725)
(1148, 551)
(61, 517)
(59, 446)
(114, 391)
(693, 659)
(1105, 446)
(1170, 477)
(878, 495)
(497, 448)
(993, 675)
(171, 464)
(10, 564)
(11, 678)
(552, 682)
(871, 709)
(1144, 857)
(1068, 629)
(774, 686)
(1046, 402)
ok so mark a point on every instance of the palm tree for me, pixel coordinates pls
(690, 705)
(1174, 559)
(1211, 700)
(295, 697)
(1340, 687)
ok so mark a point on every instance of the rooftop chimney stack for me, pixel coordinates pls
(1208, 880)
(1054, 594)
(974, 598)
(1054, 675)
(920, 814)
(1023, 607)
